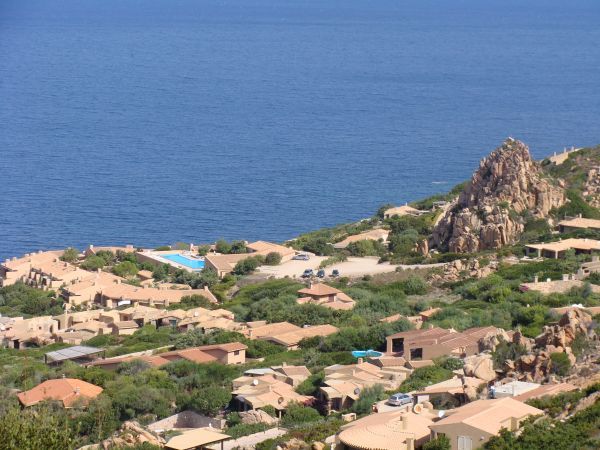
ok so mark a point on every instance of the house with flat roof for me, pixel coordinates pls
(18, 269)
(557, 249)
(472, 425)
(324, 295)
(23, 333)
(378, 234)
(93, 250)
(556, 286)
(578, 223)
(68, 391)
(394, 430)
(399, 211)
(197, 439)
(545, 390)
(430, 343)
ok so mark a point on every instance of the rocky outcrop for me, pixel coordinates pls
(573, 322)
(486, 215)
(463, 269)
(592, 187)
(130, 435)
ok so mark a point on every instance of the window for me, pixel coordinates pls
(465, 443)
(236, 353)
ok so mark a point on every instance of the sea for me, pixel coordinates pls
(155, 121)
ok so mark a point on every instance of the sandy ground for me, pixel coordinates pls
(354, 267)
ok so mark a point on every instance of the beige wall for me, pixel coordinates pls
(478, 437)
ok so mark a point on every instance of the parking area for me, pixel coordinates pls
(354, 267)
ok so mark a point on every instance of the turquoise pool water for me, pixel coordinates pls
(194, 264)
(366, 353)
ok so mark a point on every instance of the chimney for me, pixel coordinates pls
(77, 390)
(91, 246)
(548, 280)
(360, 361)
(283, 364)
(565, 277)
(250, 333)
(404, 421)
(536, 279)
(410, 443)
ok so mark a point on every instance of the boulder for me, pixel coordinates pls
(480, 366)
(257, 416)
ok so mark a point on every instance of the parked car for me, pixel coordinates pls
(400, 399)
(335, 273)
(321, 273)
(301, 257)
(308, 273)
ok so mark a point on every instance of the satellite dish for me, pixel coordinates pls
(254, 382)
(441, 414)
(280, 400)
(357, 391)
(418, 408)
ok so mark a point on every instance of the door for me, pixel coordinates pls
(465, 443)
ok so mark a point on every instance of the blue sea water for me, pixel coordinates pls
(154, 121)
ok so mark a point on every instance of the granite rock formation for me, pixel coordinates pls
(487, 214)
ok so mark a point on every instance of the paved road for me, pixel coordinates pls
(252, 439)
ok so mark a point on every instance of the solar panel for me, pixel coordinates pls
(77, 351)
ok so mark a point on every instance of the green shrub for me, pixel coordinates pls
(273, 259)
(70, 254)
(560, 363)
(125, 269)
(367, 397)
(442, 442)
(297, 414)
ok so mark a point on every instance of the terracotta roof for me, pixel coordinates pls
(487, 415)
(65, 390)
(566, 244)
(264, 248)
(580, 222)
(386, 431)
(256, 332)
(229, 347)
(294, 337)
(191, 354)
(195, 439)
(125, 324)
(268, 390)
(319, 290)
(546, 389)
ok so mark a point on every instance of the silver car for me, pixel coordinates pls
(400, 399)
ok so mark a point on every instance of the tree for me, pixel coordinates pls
(125, 269)
(93, 263)
(238, 247)
(194, 301)
(203, 249)
(273, 259)
(70, 255)
(440, 443)
(297, 413)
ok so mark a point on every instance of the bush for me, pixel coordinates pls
(93, 263)
(367, 397)
(424, 376)
(125, 269)
(273, 259)
(246, 429)
(560, 363)
(296, 414)
(442, 442)
(70, 255)
(333, 260)
(248, 265)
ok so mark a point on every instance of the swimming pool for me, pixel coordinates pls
(192, 263)
(366, 353)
